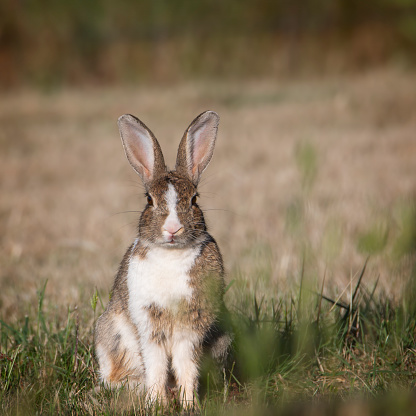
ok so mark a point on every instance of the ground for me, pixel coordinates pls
(311, 163)
(311, 179)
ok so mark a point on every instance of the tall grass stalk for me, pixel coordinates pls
(335, 353)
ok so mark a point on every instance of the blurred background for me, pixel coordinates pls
(314, 169)
(312, 185)
(51, 43)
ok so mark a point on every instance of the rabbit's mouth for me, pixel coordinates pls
(171, 242)
(175, 242)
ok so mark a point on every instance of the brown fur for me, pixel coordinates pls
(205, 305)
(153, 217)
(201, 314)
(107, 335)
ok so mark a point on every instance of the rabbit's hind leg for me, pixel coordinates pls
(118, 352)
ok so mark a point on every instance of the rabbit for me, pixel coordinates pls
(167, 298)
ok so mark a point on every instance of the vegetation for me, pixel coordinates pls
(295, 354)
(50, 43)
(310, 198)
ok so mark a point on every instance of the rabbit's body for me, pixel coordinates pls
(167, 296)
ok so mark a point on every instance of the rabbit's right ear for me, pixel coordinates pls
(197, 145)
(141, 147)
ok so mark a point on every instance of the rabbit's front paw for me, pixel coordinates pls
(156, 365)
(185, 366)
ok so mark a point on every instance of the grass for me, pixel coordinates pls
(308, 180)
(292, 353)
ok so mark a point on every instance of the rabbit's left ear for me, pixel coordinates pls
(197, 145)
(141, 147)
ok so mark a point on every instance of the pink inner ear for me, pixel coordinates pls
(202, 140)
(201, 148)
(139, 148)
(142, 153)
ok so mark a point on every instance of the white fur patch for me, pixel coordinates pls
(183, 362)
(161, 278)
(171, 198)
(172, 222)
(136, 241)
(128, 339)
(156, 362)
(130, 350)
(105, 362)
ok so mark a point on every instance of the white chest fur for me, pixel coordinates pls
(161, 278)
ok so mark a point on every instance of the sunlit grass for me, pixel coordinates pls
(288, 349)
(309, 180)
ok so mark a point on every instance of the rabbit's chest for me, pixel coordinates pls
(161, 279)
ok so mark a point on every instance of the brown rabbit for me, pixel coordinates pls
(167, 297)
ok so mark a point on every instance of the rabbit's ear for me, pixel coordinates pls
(141, 147)
(197, 145)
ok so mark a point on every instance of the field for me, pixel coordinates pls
(311, 187)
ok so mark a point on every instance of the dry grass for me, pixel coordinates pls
(65, 177)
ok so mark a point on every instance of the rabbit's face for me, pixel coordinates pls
(172, 217)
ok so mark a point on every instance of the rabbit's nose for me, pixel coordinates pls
(174, 229)
(179, 232)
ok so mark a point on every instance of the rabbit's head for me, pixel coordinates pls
(172, 217)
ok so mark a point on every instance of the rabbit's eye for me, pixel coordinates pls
(193, 200)
(149, 200)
